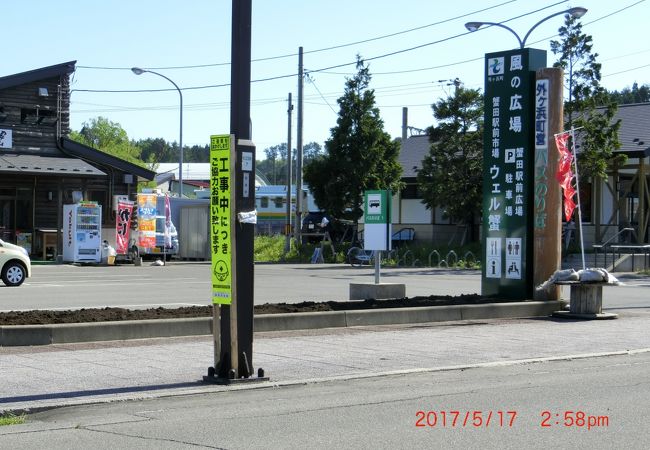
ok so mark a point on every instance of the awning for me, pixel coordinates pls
(50, 165)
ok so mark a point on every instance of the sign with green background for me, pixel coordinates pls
(508, 172)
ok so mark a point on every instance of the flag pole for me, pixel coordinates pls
(575, 164)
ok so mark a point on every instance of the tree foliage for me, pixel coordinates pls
(109, 137)
(451, 173)
(274, 166)
(597, 134)
(359, 155)
(636, 94)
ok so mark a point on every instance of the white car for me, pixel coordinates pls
(15, 265)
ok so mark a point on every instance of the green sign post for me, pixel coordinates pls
(377, 221)
(508, 172)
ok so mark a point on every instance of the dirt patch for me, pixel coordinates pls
(40, 317)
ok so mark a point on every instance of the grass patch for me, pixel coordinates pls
(12, 419)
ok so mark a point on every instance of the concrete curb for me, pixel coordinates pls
(23, 335)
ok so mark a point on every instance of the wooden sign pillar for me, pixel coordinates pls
(547, 228)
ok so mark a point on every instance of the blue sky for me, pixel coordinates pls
(158, 34)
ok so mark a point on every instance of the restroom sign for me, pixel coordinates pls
(513, 258)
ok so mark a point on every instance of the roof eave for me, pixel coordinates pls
(37, 74)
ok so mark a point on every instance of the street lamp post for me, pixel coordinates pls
(139, 71)
(575, 12)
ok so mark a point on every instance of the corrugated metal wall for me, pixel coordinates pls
(194, 238)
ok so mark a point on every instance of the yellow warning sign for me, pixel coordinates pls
(221, 204)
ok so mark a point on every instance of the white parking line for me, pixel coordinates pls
(116, 283)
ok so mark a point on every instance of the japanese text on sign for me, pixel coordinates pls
(541, 151)
(220, 218)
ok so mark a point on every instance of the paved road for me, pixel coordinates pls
(609, 398)
(178, 284)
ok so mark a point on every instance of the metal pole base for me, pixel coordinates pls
(213, 378)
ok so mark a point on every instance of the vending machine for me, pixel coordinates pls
(82, 232)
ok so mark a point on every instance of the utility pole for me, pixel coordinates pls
(299, 149)
(236, 324)
(287, 227)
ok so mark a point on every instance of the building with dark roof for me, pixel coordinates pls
(621, 201)
(41, 169)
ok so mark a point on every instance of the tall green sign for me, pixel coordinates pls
(508, 172)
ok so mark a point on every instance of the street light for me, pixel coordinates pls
(576, 12)
(139, 71)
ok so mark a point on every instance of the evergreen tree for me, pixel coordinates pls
(596, 134)
(451, 173)
(637, 94)
(359, 155)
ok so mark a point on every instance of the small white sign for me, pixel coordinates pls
(513, 248)
(493, 267)
(5, 138)
(513, 258)
(496, 66)
(493, 247)
(247, 161)
(374, 204)
(513, 269)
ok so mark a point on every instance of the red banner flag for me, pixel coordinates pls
(565, 157)
(564, 173)
(123, 226)
(569, 206)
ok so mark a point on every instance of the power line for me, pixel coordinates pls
(481, 57)
(334, 47)
(311, 80)
(626, 70)
(312, 71)
(326, 70)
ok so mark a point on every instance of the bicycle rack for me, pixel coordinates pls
(455, 256)
(469, 255)
(434, 252)
(405, 257)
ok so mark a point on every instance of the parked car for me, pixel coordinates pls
(15, 265)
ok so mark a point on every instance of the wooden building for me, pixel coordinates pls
(41, 169)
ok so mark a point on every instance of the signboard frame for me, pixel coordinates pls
(508, 172)
(222, 217)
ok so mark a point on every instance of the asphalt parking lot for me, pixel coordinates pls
(188, 283)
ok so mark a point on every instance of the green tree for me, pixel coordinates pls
(637, 94)
(596, 132)
(197, 154)
(310, 151)
(109, 137)
(451, 174)
(154, 150)
(359, 155)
